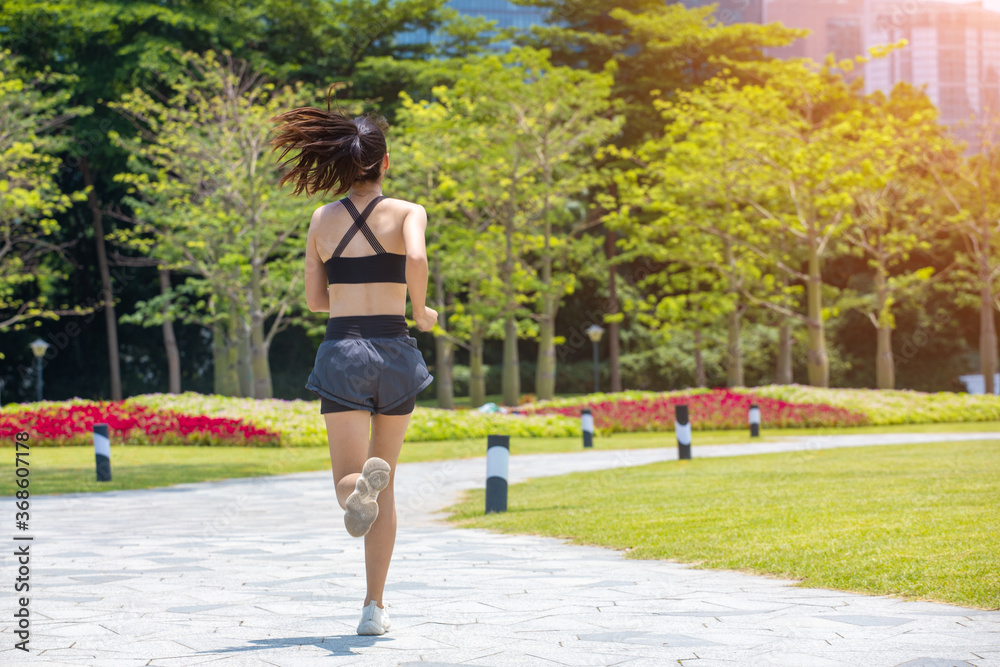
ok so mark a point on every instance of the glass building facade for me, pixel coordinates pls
(509, 15)
(506, 15)
(953, 50)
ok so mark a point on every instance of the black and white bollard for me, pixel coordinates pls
(102, 452)
(754, 421)
(587, 425)
(497, 457)
(683, 429)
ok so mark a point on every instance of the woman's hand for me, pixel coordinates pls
(425, 319)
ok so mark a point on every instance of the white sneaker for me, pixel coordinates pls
(374, 620)
(362, 510)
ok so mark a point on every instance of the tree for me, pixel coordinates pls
(972, 187)
(208, 203)
(553, 119)
(30, 196)
(455, 162)
(659, 50)
(895, 210)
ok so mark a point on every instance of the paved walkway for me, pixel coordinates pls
(260, 571)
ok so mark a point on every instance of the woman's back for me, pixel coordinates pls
(365, 274)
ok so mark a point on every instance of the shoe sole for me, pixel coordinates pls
(362, 508)
(372, 628)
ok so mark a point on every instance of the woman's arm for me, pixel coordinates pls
(414, 226)
(317, 294)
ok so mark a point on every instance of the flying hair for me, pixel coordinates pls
(332, 151)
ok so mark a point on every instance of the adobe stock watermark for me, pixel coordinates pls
(898, 16)
(923, 336)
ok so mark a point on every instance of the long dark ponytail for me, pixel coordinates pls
(334, 150)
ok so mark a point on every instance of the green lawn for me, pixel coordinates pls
(71, 469)
(918, 521)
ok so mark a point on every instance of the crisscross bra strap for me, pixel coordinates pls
(360, 223)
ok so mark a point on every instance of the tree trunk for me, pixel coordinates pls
(734, 353)
(818, 363)
(444, 349)
(885, 366)
(238, 339)
(783, 372)
(545, 367)
(169, 339)
(444, 355)
(987, 325)
(227, 382)
(987, 338)
(613, 333)
(110, 320)
(510, 377)
(699, 364)
(545, 370)
(260, 367)
(477, 379)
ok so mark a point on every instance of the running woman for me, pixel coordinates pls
(368, 369)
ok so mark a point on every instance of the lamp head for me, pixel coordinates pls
(594, 332)
(39, 347)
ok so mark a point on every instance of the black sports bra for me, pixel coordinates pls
(385, 267)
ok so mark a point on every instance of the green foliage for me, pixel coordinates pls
(498, 158)
(657, 46)
(205, 193)
(33, 112)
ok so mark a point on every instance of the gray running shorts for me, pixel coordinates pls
(369, 363)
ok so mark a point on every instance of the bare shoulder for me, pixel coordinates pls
(410, 213)
(404, 206)
(320, 214)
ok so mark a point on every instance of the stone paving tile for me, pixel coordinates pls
(279, 582)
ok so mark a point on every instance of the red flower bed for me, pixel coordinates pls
(718, 409)
(130, 424)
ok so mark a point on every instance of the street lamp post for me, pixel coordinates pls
(594, 332)
(39, 348)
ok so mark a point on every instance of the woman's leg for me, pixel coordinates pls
(347, 433)
(386, 442)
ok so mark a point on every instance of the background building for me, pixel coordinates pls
(953, 49)
(837, 26)
(506, 15)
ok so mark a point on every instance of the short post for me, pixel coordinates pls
(683, 429)
(754, 421)
(587, 425)
(497, 458)
(102, 452)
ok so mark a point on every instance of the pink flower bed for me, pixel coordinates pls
(129, 424)
(715, 410)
